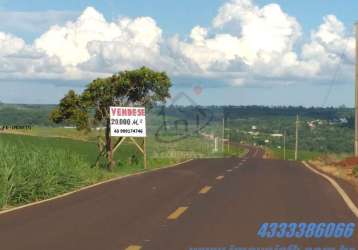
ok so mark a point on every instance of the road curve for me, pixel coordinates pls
(203, 203)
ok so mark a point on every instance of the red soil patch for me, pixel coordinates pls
(348, 162)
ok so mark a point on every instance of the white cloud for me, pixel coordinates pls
(209, 53)
(10, 44)
(93, 40)
(21, 61)
(331, 47)
(262, 43)
(137, 43)
(261, 30)
(86, 48)
(247, 39)
(332, 39)
(245, 44)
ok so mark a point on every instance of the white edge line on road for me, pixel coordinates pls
(89, 187)
(344, 195)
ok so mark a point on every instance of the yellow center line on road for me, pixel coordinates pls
(204, 190)
(220, 177)
(134, 247)
(175, 215)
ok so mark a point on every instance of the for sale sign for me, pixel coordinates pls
(128, 121)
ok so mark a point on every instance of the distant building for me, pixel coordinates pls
(343, 120)
(313, 124)
(209, 136)
(338, 121)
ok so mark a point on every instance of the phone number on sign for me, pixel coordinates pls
(128, 131)
(306, 230)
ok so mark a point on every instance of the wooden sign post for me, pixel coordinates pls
(129, 122)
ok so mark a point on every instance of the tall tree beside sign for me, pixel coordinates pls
(140, 87)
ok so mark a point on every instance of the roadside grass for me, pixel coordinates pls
(29, 173)
(34, 168)
(290, 154)
(328, 164)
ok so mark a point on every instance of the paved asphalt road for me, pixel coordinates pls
(203, 203)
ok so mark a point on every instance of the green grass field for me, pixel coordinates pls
(38, 167)
(34, 168)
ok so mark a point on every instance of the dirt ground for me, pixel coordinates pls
(341, 169)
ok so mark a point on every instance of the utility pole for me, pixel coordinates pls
(284, 145)
(296, 147)
(216, 144)
(223, 135)
(356, 97)
(228, 140)
(145, 152)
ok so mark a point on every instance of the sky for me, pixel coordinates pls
(221, 52)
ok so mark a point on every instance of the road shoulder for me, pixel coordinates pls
(343, 187)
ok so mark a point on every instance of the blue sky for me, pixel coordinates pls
(31, 19)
